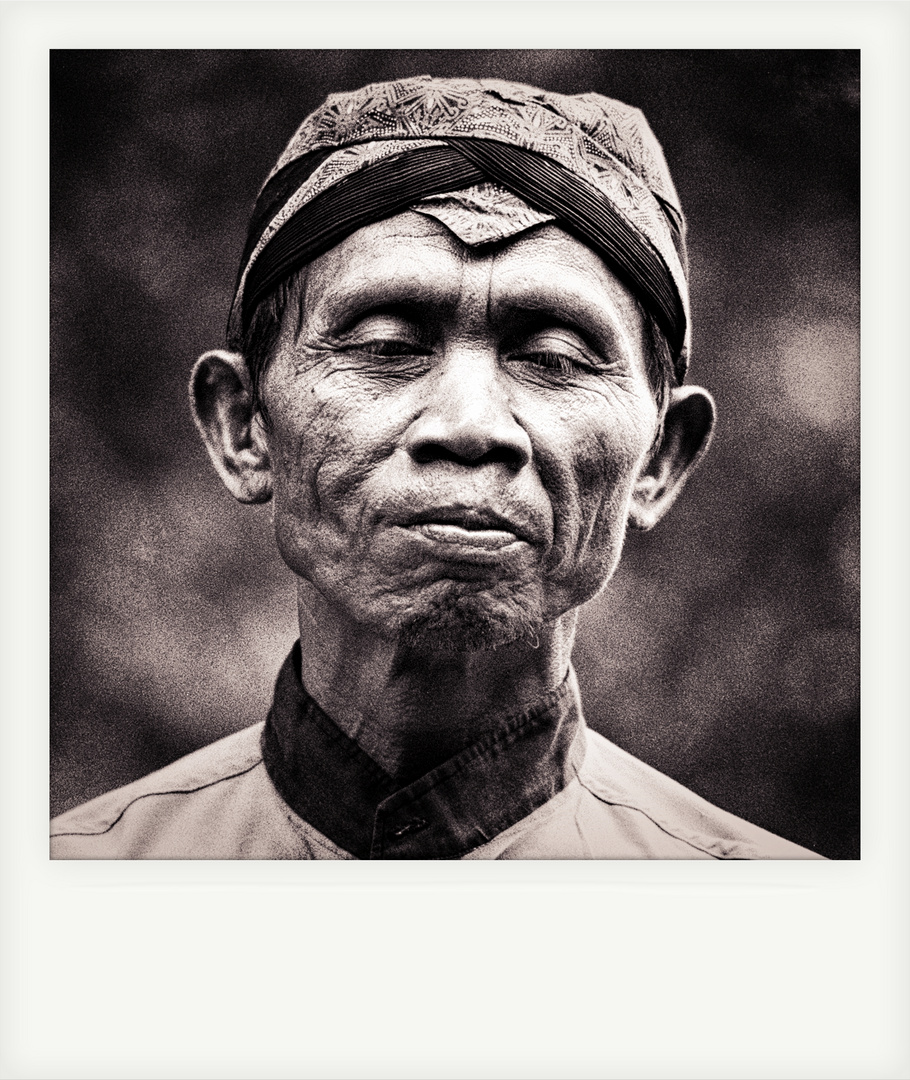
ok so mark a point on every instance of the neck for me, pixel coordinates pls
(411, 709)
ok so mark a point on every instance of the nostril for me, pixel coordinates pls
(424, 453)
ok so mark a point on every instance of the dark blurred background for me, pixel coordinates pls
(725, 652)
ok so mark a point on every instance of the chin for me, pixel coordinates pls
(458, 619)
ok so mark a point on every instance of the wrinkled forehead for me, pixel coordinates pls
(487, 159)
(483, 219)
(415, 263)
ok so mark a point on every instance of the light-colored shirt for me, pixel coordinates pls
(542, 786)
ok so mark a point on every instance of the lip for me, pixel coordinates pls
(457, 535)
(458, 532)
(465, 518)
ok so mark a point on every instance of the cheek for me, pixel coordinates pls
(605, 470)
(590, 477)
(327, 435)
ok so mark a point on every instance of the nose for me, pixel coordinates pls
(467, 416)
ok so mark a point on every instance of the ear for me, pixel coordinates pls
(222, 402)
(688, 424)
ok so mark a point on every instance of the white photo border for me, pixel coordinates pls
(522, 970)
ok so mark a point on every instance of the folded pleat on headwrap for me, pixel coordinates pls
(590, 162)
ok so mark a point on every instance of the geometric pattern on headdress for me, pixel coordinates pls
(602, 145)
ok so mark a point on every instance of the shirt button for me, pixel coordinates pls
(408, 827)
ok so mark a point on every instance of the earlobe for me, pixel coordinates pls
(222, 402)
(688, 424)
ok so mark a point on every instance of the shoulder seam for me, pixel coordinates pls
(151, 794)
(654, 821)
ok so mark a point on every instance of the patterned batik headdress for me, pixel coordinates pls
(489, 159)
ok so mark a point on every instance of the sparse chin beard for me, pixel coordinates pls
(460, 621)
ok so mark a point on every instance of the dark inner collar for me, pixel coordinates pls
(335, 786)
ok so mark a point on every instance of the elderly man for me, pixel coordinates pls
(458, 341)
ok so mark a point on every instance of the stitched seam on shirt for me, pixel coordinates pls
(653, 820)
(150, 794)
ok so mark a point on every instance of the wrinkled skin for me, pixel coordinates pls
(425, 377)
(456, 442)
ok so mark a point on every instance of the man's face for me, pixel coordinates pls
(455, 434)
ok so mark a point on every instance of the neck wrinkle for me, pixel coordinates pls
(411, 711)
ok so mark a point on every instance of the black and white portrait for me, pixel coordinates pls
(513, 509)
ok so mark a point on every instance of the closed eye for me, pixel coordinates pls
(393, 348)
(556, 361)
(558, 348)
(387, 334)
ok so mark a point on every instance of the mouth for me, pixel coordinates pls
(465, 527)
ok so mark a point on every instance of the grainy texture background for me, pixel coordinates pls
(725, 652)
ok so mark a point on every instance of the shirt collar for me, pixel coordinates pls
(336, 787)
